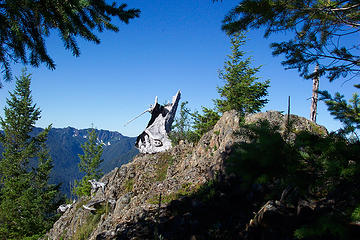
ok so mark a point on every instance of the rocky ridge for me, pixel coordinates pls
(151, 197)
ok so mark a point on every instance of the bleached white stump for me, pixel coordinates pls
(155, 137)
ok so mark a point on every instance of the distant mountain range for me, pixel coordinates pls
(65, 145)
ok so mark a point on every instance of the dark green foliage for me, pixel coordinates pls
(320, 32)
(241, 91)
(89, 164)
(207, 191)
(64, 145)
(91, 159)
(26, 23)
(316, 167)
(182, 129)
(348, 114)
(265, 157)
(82, 187)
(204, 122)
(191, 126)
(324, 227)
(27, 201)
(355, 216)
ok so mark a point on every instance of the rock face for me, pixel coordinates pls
(151, 197)
(155, 137)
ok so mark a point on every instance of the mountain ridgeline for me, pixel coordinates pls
(65, 144)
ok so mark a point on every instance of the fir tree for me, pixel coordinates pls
(182, 129)
(241, 91)
(27, 201)
(26, 24)
(348, 114)
(204, 122)
(322, 32)
(89, 164)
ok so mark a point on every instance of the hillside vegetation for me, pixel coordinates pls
(64, 145)
(211, 190)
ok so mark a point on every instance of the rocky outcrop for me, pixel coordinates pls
(153, 196)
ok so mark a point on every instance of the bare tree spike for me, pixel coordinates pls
(147, 110)
(314, 98)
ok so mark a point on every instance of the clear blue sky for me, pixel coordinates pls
(173, 45)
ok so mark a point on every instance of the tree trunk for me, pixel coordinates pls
(314, 98)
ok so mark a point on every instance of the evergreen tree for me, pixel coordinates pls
(89, 164)
(26, 23)
(324, 32)
(27, 201)
(182, 129)
(348, 114)
(204, 122)
(241, 91)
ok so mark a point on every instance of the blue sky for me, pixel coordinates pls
(173, 45)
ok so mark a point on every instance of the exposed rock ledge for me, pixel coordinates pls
(133, 190)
